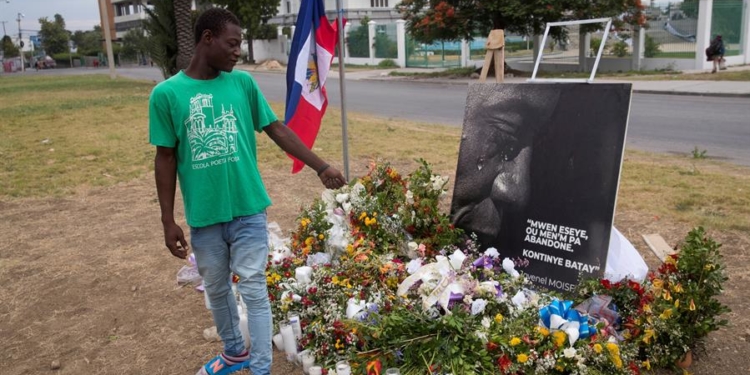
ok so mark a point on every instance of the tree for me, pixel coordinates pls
(89, 42)
(54, 36)
(430, 20)
(9, 49)
(254, 16)
(184, 30)
(134, 44)
(162, 37)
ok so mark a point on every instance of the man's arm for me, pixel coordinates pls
(165, 171)
(288, 141)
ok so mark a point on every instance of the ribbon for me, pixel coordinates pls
(559, 315)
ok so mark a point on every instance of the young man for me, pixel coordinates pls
(201, 122)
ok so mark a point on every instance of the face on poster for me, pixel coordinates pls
(538, 173)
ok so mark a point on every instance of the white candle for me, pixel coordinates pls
(290, 342)
(296, 325)
(316, 370)
(342, 368)
(278, 341)
(308, 360)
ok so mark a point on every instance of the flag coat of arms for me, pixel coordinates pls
(310, 60)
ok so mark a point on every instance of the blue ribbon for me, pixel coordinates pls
(564, 310)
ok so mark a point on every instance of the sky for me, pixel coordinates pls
(78, 14)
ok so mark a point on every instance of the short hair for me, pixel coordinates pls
(215, 20)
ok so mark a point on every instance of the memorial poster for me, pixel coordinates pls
(538, 172)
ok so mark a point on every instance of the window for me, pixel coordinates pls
(378, 3)
(288, 7)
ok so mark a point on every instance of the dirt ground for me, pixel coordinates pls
(86, 282)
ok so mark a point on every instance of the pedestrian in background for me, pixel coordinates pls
(715, 53)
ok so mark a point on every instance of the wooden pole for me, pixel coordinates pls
(108, 38)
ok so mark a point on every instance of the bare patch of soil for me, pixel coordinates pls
(86, 281)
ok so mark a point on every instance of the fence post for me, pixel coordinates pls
(465, 53)
(401, 43)
(639, 46)
(371, 37)
(745, 37)
(703, 36)
(584, 42)
(279, 34)
(347, 27)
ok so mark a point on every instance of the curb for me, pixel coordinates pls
(639, 91)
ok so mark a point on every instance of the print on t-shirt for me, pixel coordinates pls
(210, 136)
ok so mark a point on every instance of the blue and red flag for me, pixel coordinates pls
(310, 58)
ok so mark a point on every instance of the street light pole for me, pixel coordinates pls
(20, 41)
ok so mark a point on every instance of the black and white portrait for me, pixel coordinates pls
(538, 171)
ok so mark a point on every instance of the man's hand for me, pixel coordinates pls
(175, 240)
(332, 178)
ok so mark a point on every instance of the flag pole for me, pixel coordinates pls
(342, 85)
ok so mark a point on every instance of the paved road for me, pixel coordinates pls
(660, 123)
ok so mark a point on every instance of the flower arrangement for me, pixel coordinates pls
(379, 276)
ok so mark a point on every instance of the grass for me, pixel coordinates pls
(447, 73)
(97, 136)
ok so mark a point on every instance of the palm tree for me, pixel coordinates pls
(162, 38)
(185, 41)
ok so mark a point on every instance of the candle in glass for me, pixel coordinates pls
(342, 368)
(308, 360)
(290, 341)
(316, 370)
(392, 371)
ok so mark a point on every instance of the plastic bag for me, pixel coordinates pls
(623, 260)
(188, 274)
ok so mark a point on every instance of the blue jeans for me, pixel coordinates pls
(239, 246)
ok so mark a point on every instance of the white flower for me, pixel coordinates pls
(412, 246)
(486, 322)
(414, 265)
(569, 352)
(520, 299)
(437, 182)
(329, 199)
(481, 336)
(341, 198)
(492, 253)
(477, 306)
(347, 207)
(510, 268)
(457, 259)
(409, 197)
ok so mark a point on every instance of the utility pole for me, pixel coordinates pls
(108, 38)
(20, 41)
(4, 22)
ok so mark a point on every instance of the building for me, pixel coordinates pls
(125, 15)
(355, 10)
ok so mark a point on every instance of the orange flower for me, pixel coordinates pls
(374, 367)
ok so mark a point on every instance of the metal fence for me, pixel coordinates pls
(440, 54)
(386, 45)
(671, 29)
(726, 20)
(358, 41)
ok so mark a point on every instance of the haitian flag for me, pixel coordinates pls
(310, 60)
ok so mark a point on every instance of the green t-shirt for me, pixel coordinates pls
(210, 124)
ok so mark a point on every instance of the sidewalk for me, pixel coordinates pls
(673, 87)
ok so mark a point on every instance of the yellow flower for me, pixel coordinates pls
(617, 361)
(369, 221)
(647, 308)
(543, 331)
(612, 348)
(335, 280)
(363, 215)
(676, 303)
(339, 345)
(558, 337)
(559, 368)
(354, 330)
(522, 358)
(648, 335)
(598, 348)
(666, 295)
(658, 284)
(666, 314)
(304, 222)
(670, 260)
(692, 305)
(646, 364)
(677, 288)
(515, 341)
(709, 267)
(498, 318)
(321, 237)
(350, 249)
(309, 241)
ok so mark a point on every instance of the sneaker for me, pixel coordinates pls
(218, 366)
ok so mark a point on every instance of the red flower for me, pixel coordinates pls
(312, 290)
(504, 363)
(491, 346)
(374, 367)
(606, 284)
